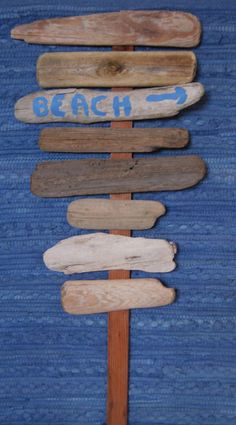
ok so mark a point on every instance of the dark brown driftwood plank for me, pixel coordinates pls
(61, 139)
(97, 176)
(115, 69)
(151, 28)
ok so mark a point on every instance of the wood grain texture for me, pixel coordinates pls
(114, 214)
(102, 296)
(115, 69)
(62, 139)
(100, 176)
(88, 105)
(102, 251)
(151, 28)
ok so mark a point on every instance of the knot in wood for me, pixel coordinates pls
(111, 68)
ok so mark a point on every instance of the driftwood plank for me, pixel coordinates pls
(114, 214)
(115, 69)
(101, 296)
(100, 176)
(151, 28)
(102, 251)
(70, 139)
(87, 106)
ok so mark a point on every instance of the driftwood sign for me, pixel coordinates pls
(87, 106)
(72, 139)
(102, 296)
(115, 69)
(100, 176)
(150, 28)
(102, 214)
(101, 251)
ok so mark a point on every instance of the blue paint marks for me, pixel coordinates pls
(124, 103)
(56, 104)
(179, 95)
(40, 106)
(80, 105)
(95, 100)
(79, 102)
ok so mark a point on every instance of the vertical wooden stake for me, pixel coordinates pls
(118, 321)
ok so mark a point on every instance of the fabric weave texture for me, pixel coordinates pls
(53, 366)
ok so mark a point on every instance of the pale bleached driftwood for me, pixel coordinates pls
(152, 28)
(70, 139)
(87, 106)
(101, 251)
(114, 214)
(101, 296)
(100, 176)
(115, 69)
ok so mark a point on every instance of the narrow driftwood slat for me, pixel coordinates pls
(151, 28)
(70, 139)
(102, 251)
(88, 105)
(101, 296)
(100, 176)
(114, 214)
(115, 69)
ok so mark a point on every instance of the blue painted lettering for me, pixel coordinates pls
(40, 106)
(95, 100)
(78, 102)
(56, 104)
(124, 103)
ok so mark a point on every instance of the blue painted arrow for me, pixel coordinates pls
(179, 95)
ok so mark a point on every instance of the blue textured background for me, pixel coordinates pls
(52, 365)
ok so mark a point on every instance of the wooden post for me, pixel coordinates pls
(118, 322)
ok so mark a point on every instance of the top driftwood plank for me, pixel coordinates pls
(147, 28)
(115, 69)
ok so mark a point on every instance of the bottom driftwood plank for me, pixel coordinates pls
(100, 296)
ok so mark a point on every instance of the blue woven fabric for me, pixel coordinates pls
(182, 362)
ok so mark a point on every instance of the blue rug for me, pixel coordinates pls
(182, 366)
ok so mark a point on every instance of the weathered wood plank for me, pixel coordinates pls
(115, 69)
(151, 28)
(101, 296)
(99, 176)
(102, 251)
(87, 106)
(70, 139)
(102, 214)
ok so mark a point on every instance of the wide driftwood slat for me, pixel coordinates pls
(113, 214)
(101, 296)
(61, 139)
(98, 176)
(115, 69)
(151, 28)
(90, 105)
(102, 251)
